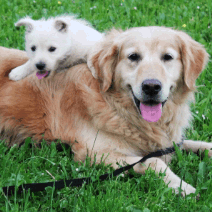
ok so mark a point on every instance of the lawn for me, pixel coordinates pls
(133, 193)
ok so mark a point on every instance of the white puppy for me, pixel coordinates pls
(54, 44)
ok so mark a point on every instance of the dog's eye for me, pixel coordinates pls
(167, 57)
(33, 48)
(134, 57)
(52, 49)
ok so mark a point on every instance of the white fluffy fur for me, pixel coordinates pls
(72, 39)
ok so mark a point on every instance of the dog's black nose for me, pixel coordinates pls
(151, 87)
(40, 65)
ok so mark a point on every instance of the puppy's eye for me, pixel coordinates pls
(167, 57)
(52, 49)
(33, 48)
(134, 57)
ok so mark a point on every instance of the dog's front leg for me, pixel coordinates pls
(170, 178)
(195, 146)
(21, 71)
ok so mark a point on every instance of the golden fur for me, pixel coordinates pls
(93, 109)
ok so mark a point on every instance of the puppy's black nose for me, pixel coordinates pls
(151, 87)
(40, 65)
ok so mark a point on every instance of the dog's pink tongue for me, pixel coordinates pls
(40, 76)
(151, 113)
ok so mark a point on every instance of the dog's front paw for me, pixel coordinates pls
(187, 189)
(17, 74)
(209, 147)
(184, 190)
(205, 146)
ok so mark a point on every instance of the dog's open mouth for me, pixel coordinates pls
(42, 74)
(151, 111)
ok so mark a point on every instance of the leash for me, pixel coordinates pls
(34, 187)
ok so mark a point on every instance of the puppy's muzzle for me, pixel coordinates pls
(42, 73)
(40, 66)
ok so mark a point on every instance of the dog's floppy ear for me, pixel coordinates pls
(61, 25)
(28, 22)
(194, 59)
(103, 58)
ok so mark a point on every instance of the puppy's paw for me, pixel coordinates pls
(17, 74)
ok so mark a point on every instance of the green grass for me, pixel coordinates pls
(133, 193)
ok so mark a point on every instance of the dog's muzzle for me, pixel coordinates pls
(150, 107)
(151, 110)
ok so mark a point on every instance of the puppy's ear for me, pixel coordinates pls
(103, 58)
(28, 22)
(194, 59)
(61, 25)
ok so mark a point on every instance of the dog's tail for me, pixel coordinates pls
(10, 59)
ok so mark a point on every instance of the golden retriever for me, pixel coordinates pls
(132, 100)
